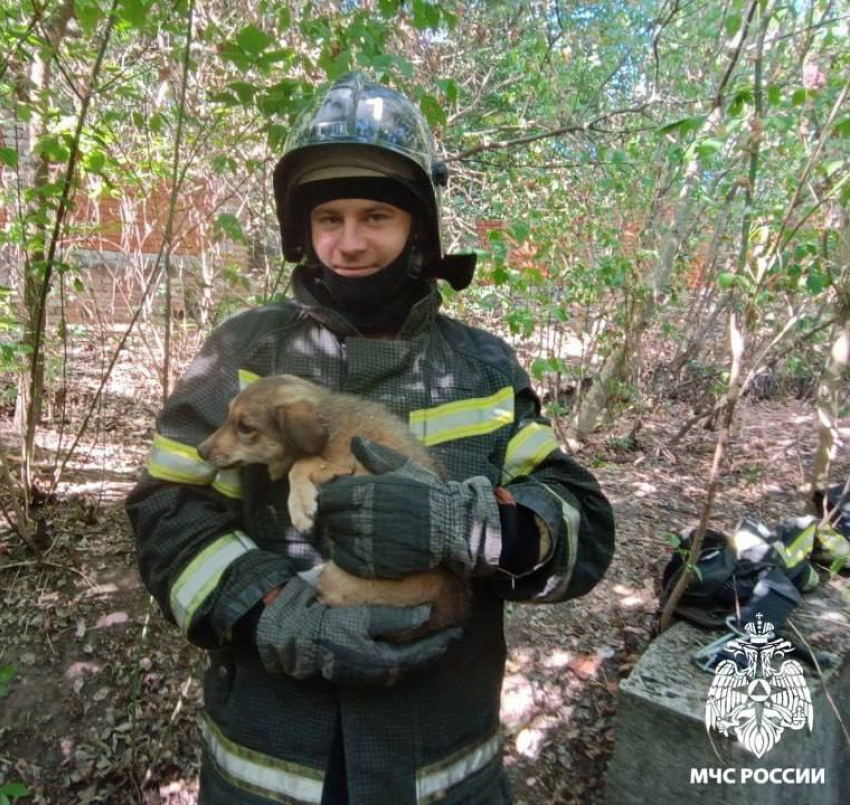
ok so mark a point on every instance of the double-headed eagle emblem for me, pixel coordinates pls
(758, 702)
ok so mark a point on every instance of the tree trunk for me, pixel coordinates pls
(832, 381)
(33, 91)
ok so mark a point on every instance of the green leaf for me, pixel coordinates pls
(842, 127)
(275, 56)
(815, 283)
(725, 280)
(539, 368)
(683, 126)
(733, 24)
(832, 166)
(388, 8)
(277, 136)
(233, 53)
(88, 15)
(799, 97)
(557, 364)
(284, 18)
(244, 91)
(420, 14)
(519, 231)
(334, 66)
(741, 98)
(449, 88)
(227, 98)
(52, 149)
(14, 790)
(7, 674)
(134, 11)
(432, 14)
(774, 95)
(95, 161)
(9, 157)
(433, 111)
(252, 40)
(706, 148)
(227, 225)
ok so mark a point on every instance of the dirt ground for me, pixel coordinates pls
(103, 703)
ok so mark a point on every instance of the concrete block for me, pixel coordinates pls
(661, 735)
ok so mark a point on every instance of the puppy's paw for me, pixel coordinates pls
(302, 507)
(336, 588)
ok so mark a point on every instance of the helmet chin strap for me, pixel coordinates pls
(416, 260)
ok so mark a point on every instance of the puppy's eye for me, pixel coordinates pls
(245, 429)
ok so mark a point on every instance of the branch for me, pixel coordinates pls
(559, 132)
(721, 88)
(64, 203)
(732, 394)
(172, 202)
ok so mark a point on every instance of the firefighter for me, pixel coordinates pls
(305, 703)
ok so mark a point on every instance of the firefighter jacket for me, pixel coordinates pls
(212, 543)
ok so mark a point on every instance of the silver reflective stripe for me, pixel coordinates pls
(173, 461)
(526, 449)
(201, 576)
(433, 781)
(246, 378)
(229, 483)
(261, 774)
(572, 521)
(462, 418)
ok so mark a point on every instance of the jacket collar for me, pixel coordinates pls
(421, 314)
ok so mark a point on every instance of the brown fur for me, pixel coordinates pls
(297, 427)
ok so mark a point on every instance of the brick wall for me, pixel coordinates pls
(113, 246)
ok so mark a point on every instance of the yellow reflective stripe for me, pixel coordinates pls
(526, 449)
(201, 576)
(229, 483)
(432, 782)
(833, 546)
(462, 418)
(572, 522)
(263, 775)
(180, 463)
(246, 378)
(801, 547)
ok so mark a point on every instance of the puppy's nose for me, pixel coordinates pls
(204, 451)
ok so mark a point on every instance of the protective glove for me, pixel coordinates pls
(403, 519)
(297, 635)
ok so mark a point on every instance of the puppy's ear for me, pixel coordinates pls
(302, 427)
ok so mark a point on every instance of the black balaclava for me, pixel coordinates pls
(381, 302)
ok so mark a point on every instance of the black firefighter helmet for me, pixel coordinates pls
(356, 129)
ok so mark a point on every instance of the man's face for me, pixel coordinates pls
(356, 237)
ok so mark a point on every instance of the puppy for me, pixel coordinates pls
(298, 428)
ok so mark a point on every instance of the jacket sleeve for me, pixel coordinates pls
(573, 515)
(194, 556)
